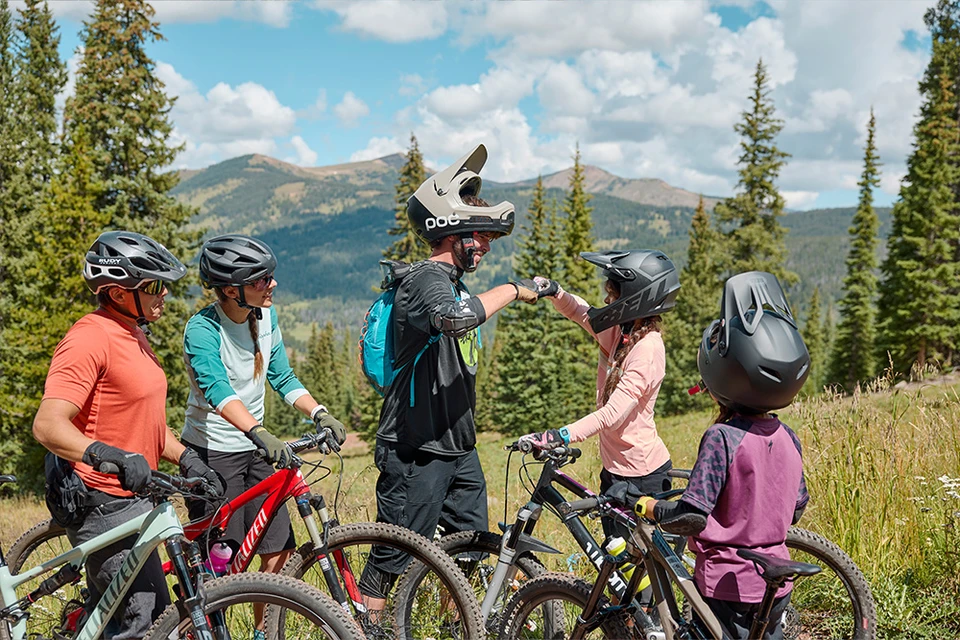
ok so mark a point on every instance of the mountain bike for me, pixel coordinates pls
(332, 560)
(207, 608)
(837, 603)
(682, 611)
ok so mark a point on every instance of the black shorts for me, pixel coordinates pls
(242, 470)
(419, 490)
(657, 481)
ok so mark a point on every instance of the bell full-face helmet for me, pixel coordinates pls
(437, 208)
(753, 359)
(648, 281)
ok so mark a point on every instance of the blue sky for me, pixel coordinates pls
(647, 89)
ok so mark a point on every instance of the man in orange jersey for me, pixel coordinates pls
(105, 401)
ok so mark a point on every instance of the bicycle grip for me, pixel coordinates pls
(109, 468)
(587, 504)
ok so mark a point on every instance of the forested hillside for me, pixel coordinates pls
(329, 225)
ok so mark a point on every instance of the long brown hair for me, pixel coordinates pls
(640, 329)
(253, 325)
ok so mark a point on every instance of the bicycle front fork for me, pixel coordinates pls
(187, 566)
(306, 505)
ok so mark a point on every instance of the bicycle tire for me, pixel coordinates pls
(813, 612)
(558, 587)
(401, 620)
(39, 543)
(486, 543)
(267, 588)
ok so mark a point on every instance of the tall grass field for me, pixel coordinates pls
(882, 468)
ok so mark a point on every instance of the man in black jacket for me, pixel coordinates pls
(429, 468)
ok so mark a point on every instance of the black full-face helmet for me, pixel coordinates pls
(437, 208)
(126, 259)
(648, 281)
(753, 358)
(235, 260)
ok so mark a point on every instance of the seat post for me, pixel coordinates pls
(761, 619)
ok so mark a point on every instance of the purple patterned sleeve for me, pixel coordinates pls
(802, 496)
(709, 471)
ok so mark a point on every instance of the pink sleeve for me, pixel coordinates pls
(640, 373)
(575, 308)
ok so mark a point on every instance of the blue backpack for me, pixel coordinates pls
(377, 358)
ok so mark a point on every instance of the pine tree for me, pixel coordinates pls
(697, 305)
(816, 341)
(755, 237)
(408, 247)
(124, 111)
(52, 282)
(919, 305)
(577, 391)
(854, 357)
(321, 366)
(519, 390)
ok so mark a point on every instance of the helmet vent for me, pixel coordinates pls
(770, 373)
(803, 371)
(117, 272)
(141, 262)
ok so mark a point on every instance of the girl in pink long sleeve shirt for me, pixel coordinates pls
(640, 285)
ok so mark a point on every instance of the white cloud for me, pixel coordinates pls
(317, 109)
(227, 121)
(390, 20)
(378, 148)
(276, 14)
(306, 156)
(351, 109)
(497, 89)
(561, 89)
(412, 85)
(800, 199)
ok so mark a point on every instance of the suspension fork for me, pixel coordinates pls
(191, 597)
(305, 505)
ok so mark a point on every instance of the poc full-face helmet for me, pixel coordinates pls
(129, 260)
(235, 260)
(648, 281)
(753, 359)
(437, 208)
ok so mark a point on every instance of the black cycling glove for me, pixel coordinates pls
(193, 466)
(134, 470)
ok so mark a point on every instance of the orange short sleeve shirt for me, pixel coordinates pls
(109, 371)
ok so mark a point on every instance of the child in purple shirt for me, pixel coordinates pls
(746, 487)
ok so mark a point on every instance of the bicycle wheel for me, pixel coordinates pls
(308, 613)
(476, 553)
(837, 602)
(440, 605)
(57, 614)
(523, 619)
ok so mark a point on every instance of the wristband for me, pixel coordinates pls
(516, 288)
(641, 507)
(318, 409)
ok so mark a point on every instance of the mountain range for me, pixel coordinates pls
(329, 225)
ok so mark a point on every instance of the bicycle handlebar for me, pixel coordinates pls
(679, 473)
(165, 484)
(557, 453)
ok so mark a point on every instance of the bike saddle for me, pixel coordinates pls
(6, 479)
(774, 569)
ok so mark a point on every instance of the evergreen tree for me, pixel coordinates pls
(697, 306)
(52, 282)
(408, 247)
(814, 336)
(122, 107)
(519, 392)
(854, 357)
(755, 237)
(578, 350)
(919, 305)
(321, 366)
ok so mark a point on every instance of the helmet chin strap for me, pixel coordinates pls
(140, 318)
(468, 249)
(242, 302)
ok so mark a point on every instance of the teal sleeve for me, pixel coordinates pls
(279, 372)
(201, 346)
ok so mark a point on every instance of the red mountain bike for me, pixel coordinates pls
(441, 605)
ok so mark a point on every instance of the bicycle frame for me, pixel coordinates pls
(156, 527)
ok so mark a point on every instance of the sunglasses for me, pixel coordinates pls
(262, 283)
(152, 288)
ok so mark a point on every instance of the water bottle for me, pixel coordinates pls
(220, 555)
(616, 546)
